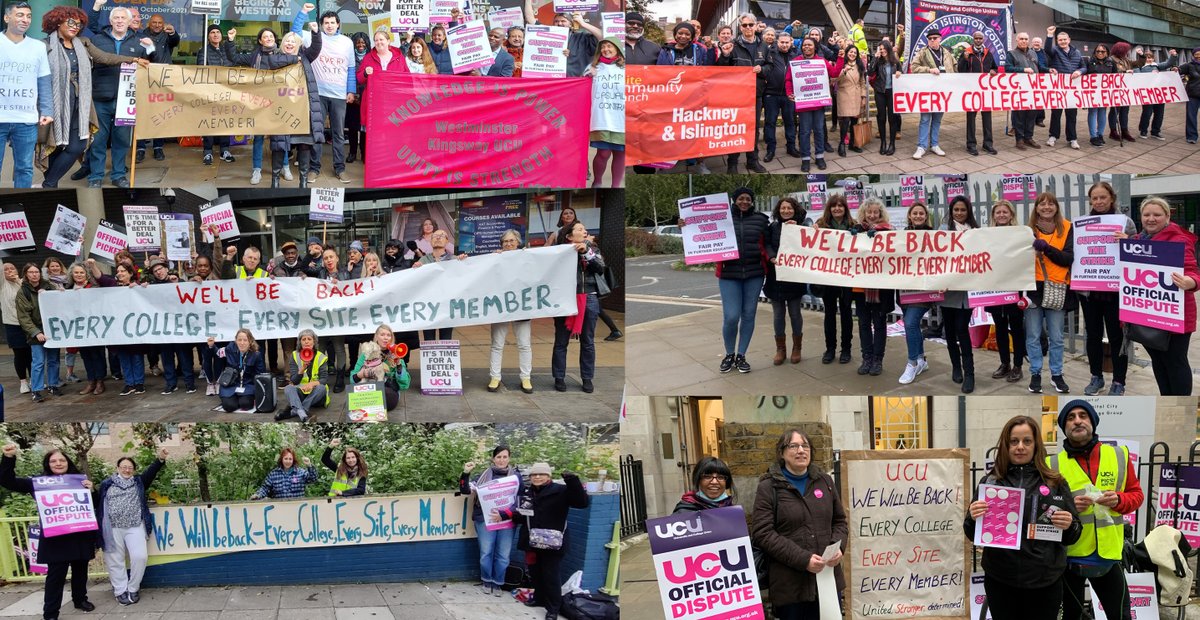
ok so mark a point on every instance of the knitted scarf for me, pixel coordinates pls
(60, 76)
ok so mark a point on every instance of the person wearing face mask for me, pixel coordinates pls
(712, 487)
(243, 355)
(1172, 370)
(44, 373)
(955, 306)
(786, 297)
(797, 514)
(59, 553)
(349, 474)
(123, 515)
(287, 480)
(1027, 583)
(1090, 466)
(776, 99)
(495, 542)
(1190, 72)
(1008, 318)
(29, 97)
(638, 49)
(542, 508)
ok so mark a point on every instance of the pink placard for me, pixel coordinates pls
(921, 297)
(1000, 526)
(983, 299)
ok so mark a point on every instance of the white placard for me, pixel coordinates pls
(469, 47)
(613, 25)
(506, 18)
(327, 204)
(142, 228)
(14, 231)
(576, 6)
(544, 51)
(127, 96)
(410, 16)
(108, 240)
(66, 232)
(219, 213)
(708, 236)
(178, 235)
(441, 368)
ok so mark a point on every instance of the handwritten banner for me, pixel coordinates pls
(705, 566)
(1148, 295)
(675, 112)
(921, 260)
(708, 236)
(491, 288)
(64, 506)
(183, 100)
(810, 83)
(976, 92)
(906, 555)
(459, 131)
(1096, 253)
(315, 522)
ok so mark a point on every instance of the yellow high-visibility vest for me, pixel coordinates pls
(1103, 530)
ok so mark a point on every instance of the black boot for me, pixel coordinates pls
(841, 149)
(769, 156)
(303, 180)
(275, 180)
(339, 383)
(883, 145)
(891, 150)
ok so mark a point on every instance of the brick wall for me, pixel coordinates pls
(750, 450)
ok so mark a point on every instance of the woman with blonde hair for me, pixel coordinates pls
(1054, 244)
(873, 305)
(244, 357)
(1008, 318)
(917, 218)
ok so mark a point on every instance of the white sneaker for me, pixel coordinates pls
(919, 153)
(1051, 141)
(910, 373)
(937, 150)
(1075, 144)
(256, 176)
(24, 387)
(702, 169)
(287, 174)
(922, 365)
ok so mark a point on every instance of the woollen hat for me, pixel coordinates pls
(356, 245)
(634, 17)
(312, 240)
(1078, 403)
(685, 26)
(739, 191)
(540, 468)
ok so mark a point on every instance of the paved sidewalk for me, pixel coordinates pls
(640, 597)
(475, 405)
(383, 601)
(679, 355)
(1150, 156)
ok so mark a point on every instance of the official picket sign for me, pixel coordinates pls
(507, 18)
(708, 236)
(1179, 500)
(220, 213)
(1148, 296)
(613, 24)
(64, 506)
(675, 112)
(469, 47)
(1095, 265)
(705, 565)
(14, 231)
(461, 131)
(906, 556)
(1003, 92)
(491, 288)
(126, 110)
(817, 192)
(312, 522)
(1018, 187)
(922, 260)
(109, 239)
(183, 100)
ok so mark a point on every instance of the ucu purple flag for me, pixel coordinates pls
(705, 566)
(63, 505)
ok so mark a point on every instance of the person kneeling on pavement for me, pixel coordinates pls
(308, 370)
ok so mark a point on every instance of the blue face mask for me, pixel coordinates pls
(724, 496)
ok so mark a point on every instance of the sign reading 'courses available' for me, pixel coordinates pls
(1148, 295)
(907, 553)
(708, 236)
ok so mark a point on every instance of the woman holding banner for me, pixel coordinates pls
(589, 276)
(58, 553)
(355, 145)
(873, 305)
(836, 299)
(885, 67)
(1101, 308)
(349, 474)
(130, 357)
(87, 275)
(123, 515)
(1026, 583)
(956, 308)
(1099, 63)
(741, 280)
(382, 58)
(495, 545)
(786, 297)
(1118, 116)
(914, 339)
(1171, 368)
(522, 330)
(287, 480)
(797, 514)
(1054, 246)
(244, 359)
(396, 378)
(712, 487)
(44, 374)
(1009, 318)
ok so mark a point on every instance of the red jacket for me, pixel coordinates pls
(372, 60)
(787, 83)
(1174, 232)
(1128, 500)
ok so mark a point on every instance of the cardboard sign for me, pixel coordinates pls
(109, 239)
(142, 228)
(982, 92)
(64, 506)
(1096, 253)
(1148, 294)
(810, 82)
(469, 47)
(544, 51)
(367, 402)
(194, 100)
(15, 234)
(708, 236)
(441, 368)
(327, 204)
(66, 232)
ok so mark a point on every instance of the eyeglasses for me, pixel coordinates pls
(795, 447)
(73, 23)
(712, 477)
(746, 25)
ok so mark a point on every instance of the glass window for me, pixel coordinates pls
(901, 423)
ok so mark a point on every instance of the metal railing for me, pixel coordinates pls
(14, 542)
(633, 497)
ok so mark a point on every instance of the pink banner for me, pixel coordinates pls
(921, 297)
(456, 131)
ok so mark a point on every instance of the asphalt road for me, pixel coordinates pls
(653, 276)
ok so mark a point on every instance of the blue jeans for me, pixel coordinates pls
(1033, 339)
(23, 137)
(739, 300)
(812, 127)
(1097, 119)
(133, 368)
(1193, 107)
(257, 155)
(587, 343)
(930, 128)
(494, 549)
(211, 365)
(913, 336)
(45, 368)
(773, 105)
(106, 112)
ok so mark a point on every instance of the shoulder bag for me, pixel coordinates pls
(1054, 294)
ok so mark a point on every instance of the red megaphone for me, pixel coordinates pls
(307, 354)
(399, 349)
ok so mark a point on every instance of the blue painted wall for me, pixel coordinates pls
(457, 560)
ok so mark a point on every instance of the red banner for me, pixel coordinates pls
(458, 131)
(675, 112)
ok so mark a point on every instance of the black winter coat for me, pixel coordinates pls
(55, 549)
(975, 63)
(275, 59)
(1039, 563)
(215, 57)
(748, 55)
(1190, 72)
(778, 70)
(775, 289)
(750, 228)
(549, 505)
(105, 78)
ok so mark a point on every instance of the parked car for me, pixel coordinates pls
(667, 231)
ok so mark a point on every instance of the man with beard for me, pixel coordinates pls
(775, 98)
(638, 50)
(747, 50)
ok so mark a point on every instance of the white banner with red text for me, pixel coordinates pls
(489, 288)
(922, 260)
(982, 92)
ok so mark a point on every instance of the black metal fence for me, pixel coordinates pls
(633, 497)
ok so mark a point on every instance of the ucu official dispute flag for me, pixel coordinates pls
(705, 566)
(63, 504)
